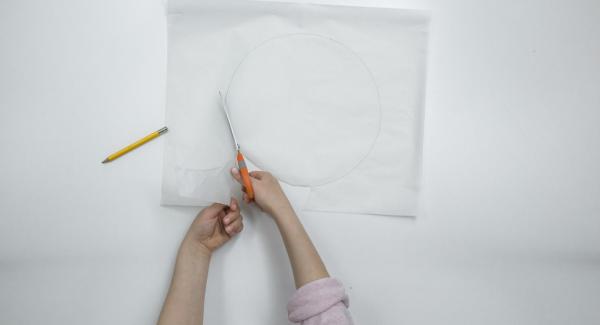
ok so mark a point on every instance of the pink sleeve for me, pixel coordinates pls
(323, 301)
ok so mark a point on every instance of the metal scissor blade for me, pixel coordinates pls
(226, 110)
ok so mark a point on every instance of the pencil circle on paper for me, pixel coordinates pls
(304, 107)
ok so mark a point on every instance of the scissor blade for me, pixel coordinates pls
(226, 110)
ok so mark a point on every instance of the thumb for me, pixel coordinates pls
(236, 175)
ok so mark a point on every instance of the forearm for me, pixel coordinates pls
(185, 301)
(306, 263)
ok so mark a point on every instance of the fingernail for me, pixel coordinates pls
(228, 229)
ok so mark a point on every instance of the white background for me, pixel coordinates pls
(510, 221)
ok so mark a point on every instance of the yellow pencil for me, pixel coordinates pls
(134, 145)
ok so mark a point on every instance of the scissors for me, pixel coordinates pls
(239, 157)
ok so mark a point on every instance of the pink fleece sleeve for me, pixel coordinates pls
(320, 302)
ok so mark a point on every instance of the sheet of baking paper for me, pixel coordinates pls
(327, 98)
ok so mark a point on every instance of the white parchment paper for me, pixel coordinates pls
(325, 97)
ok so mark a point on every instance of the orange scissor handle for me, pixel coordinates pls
(245, 175)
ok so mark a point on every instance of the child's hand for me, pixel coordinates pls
(268, 195)
(215, 225)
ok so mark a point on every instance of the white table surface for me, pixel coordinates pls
(510, 222)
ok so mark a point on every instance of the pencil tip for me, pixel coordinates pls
(105, 161)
